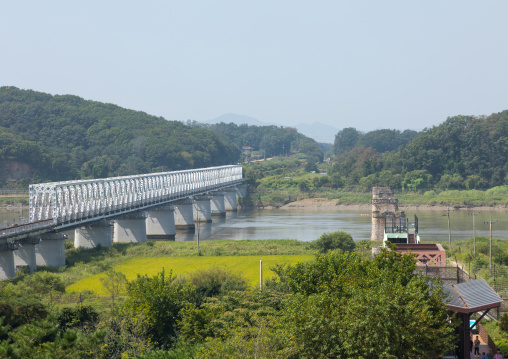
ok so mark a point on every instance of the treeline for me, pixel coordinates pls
(336, 306)
(270, 140)
(67, 137)
(464, 152)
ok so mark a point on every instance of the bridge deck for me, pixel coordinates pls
(66, 205)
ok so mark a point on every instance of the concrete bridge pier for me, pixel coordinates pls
(51, 250)
(242, 190)
(94, 234)
(202, 209)
(160, 223)
(183, 215)
(25, 255)
(230, 203)
(217, 204)
(7, 268)
(130, 229)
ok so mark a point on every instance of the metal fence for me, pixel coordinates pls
(449, 275)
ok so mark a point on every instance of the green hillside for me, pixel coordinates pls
(67, 137)
(464, 152)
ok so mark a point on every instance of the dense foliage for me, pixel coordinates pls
(337, 305)
(333, 241)
(67, 137)
(270, 140)
(384, 140)
(464, 152)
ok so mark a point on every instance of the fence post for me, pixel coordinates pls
(495, 282)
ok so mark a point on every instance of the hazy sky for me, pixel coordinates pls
(364, 64)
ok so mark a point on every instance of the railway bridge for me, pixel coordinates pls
(114, 210)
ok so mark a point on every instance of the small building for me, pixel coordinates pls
(427, 254)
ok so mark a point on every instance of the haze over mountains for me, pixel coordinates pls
(317, 131)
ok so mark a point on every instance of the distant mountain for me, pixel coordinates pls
(317, 131)
(238, 120)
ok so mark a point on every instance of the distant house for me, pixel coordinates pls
(247, 148)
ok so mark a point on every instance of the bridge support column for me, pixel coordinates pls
(97, 233)
(51, 250)
(202, 209)
(130, 229)
(7, 268)
(217, 204)
(242, 190)
(230, 203)
(25, 255)
(184, 218)
(160, 223)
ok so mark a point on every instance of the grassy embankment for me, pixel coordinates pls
(6, 201)
(278, 182)
(494, 197)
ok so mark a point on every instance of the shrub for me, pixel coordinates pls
(503, 322)
(216, 281)
(78, 317)
(43, 283)
(335, 240)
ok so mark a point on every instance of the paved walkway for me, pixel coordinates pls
(484, 348)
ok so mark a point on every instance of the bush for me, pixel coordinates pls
(216, 281)
(43, 283)
(501, 258)
(78, 317)
(335, 240)
(503, 322)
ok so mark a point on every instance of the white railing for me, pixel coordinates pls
(77, 201)
(20, 228)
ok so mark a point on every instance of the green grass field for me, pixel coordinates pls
(248, 266)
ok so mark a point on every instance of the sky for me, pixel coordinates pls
(363, 64)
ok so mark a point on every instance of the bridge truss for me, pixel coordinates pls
(74, 202)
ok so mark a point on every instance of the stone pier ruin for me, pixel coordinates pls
(384, 207)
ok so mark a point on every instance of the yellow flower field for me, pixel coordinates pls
(248, 266)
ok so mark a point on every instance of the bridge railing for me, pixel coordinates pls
(73, 201)
(20, 228)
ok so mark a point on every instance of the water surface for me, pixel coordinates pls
(305, 225)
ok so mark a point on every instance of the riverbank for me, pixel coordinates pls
(325, 204)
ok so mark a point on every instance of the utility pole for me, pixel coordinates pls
(490, 243)
(449, 230)
(197, 216)
(474, 236)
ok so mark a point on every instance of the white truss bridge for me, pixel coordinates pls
(65, 205)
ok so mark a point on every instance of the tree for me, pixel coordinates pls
(345, 307)
(335, 240)
(416, 180)
(159, 299)
(114, 283)
(345, 140)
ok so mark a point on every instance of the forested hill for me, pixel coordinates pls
(270, 140)
(464, 152)
(46, 137)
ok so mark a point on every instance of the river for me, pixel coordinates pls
(305, 225)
